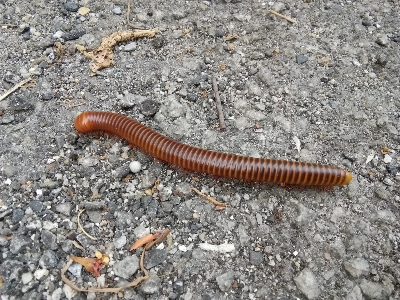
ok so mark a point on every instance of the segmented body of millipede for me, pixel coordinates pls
(219, 164)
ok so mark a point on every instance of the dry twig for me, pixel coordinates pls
(162, 237)
(222, 125)
(80, 226)
(9, 25)
(208, 198)
(281, 16)
(13, 89)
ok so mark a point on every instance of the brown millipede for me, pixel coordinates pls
(219, 164)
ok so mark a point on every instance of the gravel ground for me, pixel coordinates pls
(323, 89)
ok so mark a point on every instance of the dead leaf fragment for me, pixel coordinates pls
(231, 36)
(91, 264)
(143, 240)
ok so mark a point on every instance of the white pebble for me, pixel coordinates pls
(182, 248)
(26, 277)
(135, 166)
(40, 273)
(387, 159)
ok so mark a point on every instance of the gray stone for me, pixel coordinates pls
(357, 267)
(49, 240)
(18, 243)
(64, 208)
(385, 216)
(382, 40)
(73, 35)
(67, 246)
(301, 59)
(225, 281)
(3, 241)
(94, 215)
(71, 6)
(120, 242)
(18, 215)
(382, 193)
(278, 6)
(366, 22)
(84, 240)
(355, 294)
(149, 107)
(243, 235)
(337, 214)
(374, 290)
(122, 171)
(48, 260)
(256, 258)
(305, 215)
(10, 272)
(254, 89)
(151, 286)
(75, 269)
(353, 188)
(307, 284)
(126, 267)
(155, 257)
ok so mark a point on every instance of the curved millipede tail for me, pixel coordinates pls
(219, 164)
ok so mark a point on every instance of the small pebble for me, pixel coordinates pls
(392, 170)
(130, 47)
(388, 181)
(301, 59)
(382, 40)
(135, 166)
(117, 10)
(58, 34)
(26, 277)
(149, 107)
(71, 6)
(83, 11)
(48, 95)
(366, 23)
(387, 159)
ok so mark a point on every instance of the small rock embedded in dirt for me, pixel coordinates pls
(256, 258)
(308, 284)
(127, 267)
(225, 281)
(151, 286)
(71, 6)
(117, 10)
(301, 59)
(149, 107)
(383, 40)
(73, 35)
(155, 257)
(120, 242)
(357, 267)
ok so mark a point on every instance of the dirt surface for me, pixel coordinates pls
(322, 89)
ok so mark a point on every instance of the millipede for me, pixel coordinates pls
(219, 164)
